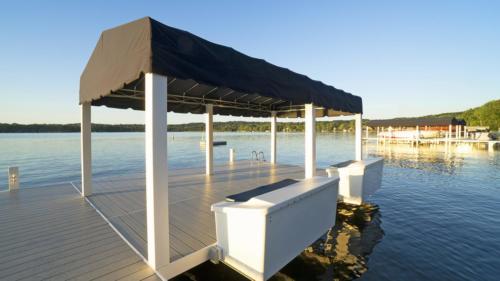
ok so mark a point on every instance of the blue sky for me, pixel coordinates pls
(403, 58)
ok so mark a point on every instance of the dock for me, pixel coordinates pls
(191, 193)
(429, 130)
(167, 217)
(490, 145)
(55, 233)
(52, 233)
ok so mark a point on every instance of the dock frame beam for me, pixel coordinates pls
(156, 170)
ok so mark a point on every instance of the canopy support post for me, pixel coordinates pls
(310, 141)
(358, 136)
(273, 137)
(156, 170)
(86, 148)
(209, 142)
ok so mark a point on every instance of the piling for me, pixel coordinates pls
(13, 176)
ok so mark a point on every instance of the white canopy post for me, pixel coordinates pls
(86, 148)
(273, 137)
(209, 140)
(310, 141)
(156, 170)
(450, 129)
(358, 136)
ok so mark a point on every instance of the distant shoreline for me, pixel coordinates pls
(485, 115)
(231, 126)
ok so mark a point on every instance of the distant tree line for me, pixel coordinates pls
(485, 115)
(67, 128)
(232, 126)
(239, 126)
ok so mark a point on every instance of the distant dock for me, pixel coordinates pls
(491, 145)
(429, 130)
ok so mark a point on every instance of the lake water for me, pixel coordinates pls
(436, 217)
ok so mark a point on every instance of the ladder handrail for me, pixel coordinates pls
(256, 155)
(263, 157)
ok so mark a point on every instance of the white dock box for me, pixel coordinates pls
(260, 236)
(359, 180)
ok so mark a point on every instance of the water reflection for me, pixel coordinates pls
(341, 254)
(440, 159)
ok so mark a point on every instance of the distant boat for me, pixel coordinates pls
(215, 143)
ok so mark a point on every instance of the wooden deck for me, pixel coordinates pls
(52, 233)
(191, 193)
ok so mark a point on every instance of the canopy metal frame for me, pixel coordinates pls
(261, 107)
(221, 97)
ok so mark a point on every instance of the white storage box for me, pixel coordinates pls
(359, 180)
(260, 236)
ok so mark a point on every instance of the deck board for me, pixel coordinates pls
(51, 233)
(192, 224)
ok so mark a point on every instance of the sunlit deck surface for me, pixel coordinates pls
(52, 233)
(191, 193)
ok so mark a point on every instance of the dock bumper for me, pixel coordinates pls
(260, 236)
(358, 180)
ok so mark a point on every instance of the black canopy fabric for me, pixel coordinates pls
(419, 121)
(199, 72)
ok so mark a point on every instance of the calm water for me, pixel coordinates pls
(437, 216)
